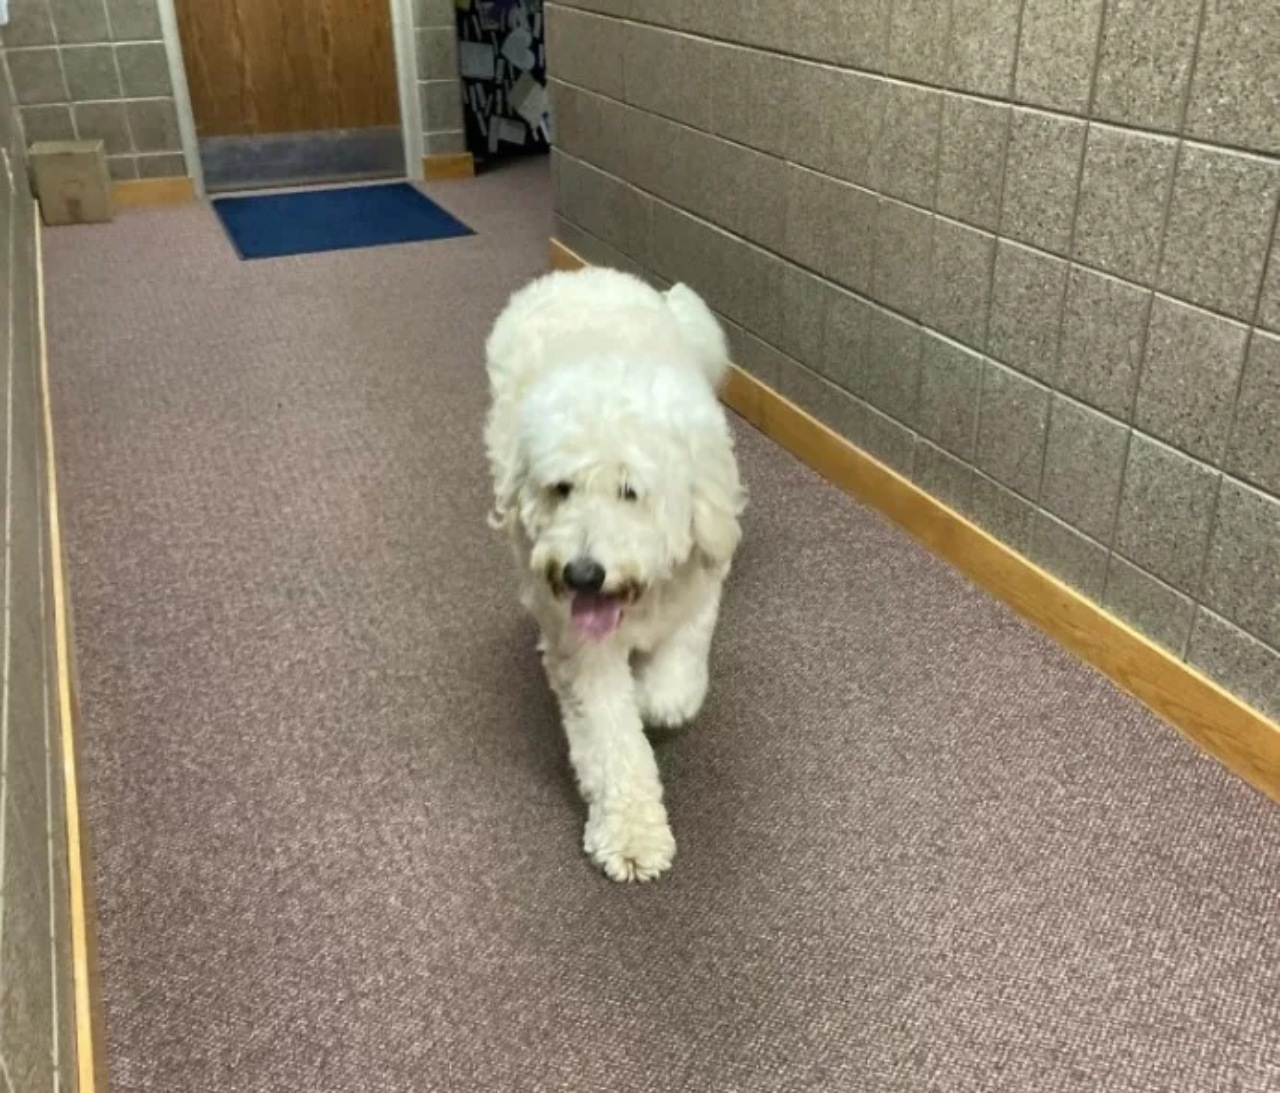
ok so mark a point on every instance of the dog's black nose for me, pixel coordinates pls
(584, 575)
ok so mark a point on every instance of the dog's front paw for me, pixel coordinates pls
(670, 691)
(630, 842)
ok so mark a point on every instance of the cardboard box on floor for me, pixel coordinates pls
(72, 183)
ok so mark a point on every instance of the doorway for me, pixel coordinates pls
(292, 92)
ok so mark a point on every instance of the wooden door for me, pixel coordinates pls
(259, 67)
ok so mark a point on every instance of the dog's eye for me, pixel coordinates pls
(562, 489)
(628, 494)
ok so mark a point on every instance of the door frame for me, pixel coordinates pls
(404, 42)
(405, 38)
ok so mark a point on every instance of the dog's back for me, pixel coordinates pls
(563, 318)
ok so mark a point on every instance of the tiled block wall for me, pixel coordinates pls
(36, 1043)
(96, 69)
(1023, 251)
(438, 82)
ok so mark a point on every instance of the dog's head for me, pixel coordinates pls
(624, 475)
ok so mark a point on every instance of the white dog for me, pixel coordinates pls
(614, 472)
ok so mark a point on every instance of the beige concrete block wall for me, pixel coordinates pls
(1022, 252)
(36, 1044)
(97, 70)
(438, 82)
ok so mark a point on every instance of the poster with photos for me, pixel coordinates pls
(502, 58)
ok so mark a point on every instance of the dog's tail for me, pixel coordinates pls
(704, 333)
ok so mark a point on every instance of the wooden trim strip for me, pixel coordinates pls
(1238, 736)
(450, 165)
(562, 258)
(145, 193)
(90, 1045)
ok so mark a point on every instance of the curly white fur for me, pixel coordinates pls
(611, 453)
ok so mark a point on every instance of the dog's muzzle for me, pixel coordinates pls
(584, 575)
(595, 610)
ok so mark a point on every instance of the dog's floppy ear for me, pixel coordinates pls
(718, 501)
(501, 441)
(506, 493)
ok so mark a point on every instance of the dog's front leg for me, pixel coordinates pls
(627, 833)
(671, 683)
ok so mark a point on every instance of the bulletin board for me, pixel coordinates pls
(502, 58)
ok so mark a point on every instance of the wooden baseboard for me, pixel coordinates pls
(562, 258)
(450, 165)
(1238, 736)
(86, 1000)
(145, 193)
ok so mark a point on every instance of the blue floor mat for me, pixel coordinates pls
(275, 225)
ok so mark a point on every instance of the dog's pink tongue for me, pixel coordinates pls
(594, 616)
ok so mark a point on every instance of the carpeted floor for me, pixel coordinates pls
(337, 846)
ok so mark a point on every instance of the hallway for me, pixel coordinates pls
(336, 843)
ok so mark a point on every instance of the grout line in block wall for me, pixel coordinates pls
(1235, 407)
(1070, 251)
(977, 417)
(1197, 593)
(1097, 59)
(62, 69)
(115, 60)
(1254, 321)
(934, 186)
(6, 775)
(1184, 104)
(1197, 612)
(73, 46)
(1017, 51)
(1165, 215)
(103, 102)
(1044, 452)
(1183, 108)
(1077, 200)
(1084, 154)
(1005, 138)
(13, 98)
